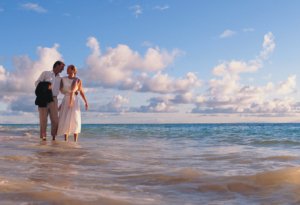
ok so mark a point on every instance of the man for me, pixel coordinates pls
(51, 109)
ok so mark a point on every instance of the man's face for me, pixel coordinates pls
(58, 68)
(61, 67)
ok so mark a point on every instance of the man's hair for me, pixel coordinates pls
(57, 63)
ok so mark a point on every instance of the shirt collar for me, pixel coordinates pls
(54, 74)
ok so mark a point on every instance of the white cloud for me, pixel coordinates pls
(124, 68)
(34, 7)
(26, 71)
(23, 103)
(248, 30)
(227, 33)
(162, 8)
(3, 74)
(112, 68)
(268, 45)
(228, 85)
(184, 98)
(17, 86)
(137, 10)
(288, 86)
(117, 105)
(156, 59)
(157, 105)
(162, 83)
(235, 67)
(226, 94)
(147, 44)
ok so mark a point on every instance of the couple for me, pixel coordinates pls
(65, 118)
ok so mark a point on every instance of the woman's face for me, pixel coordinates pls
(70, 71)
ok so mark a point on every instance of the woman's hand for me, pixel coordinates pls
(71, 104)
(86, 106)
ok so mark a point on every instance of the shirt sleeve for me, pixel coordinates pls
(40, 79)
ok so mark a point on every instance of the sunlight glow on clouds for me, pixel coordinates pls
(123, 68)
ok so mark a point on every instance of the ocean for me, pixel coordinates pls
(168, 164)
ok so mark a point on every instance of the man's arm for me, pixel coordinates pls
(40, 79)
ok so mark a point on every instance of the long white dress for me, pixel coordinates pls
(69, 117)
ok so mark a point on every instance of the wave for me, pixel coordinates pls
(176, 177)
(273, 142)
(264, 183)
(17, 158)
(281, 158)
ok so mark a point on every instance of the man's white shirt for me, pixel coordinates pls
(49, 76)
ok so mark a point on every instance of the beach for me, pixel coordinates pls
(152, 164)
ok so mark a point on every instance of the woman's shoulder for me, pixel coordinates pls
(77, 80)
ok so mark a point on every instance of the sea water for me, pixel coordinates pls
(176, 164)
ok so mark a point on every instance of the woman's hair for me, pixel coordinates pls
(73, 68)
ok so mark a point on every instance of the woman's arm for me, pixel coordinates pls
(71, 99)
(83, 95)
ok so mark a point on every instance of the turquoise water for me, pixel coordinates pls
(153, 164)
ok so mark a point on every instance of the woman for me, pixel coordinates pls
(69, 114)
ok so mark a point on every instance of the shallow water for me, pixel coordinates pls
(153, 164)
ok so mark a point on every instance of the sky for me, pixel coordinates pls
(166, 61)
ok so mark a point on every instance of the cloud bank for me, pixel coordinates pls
(126, 70)
(226, 94)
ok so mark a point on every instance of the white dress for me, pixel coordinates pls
(69, 117)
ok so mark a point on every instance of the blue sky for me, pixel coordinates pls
(156, 61)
